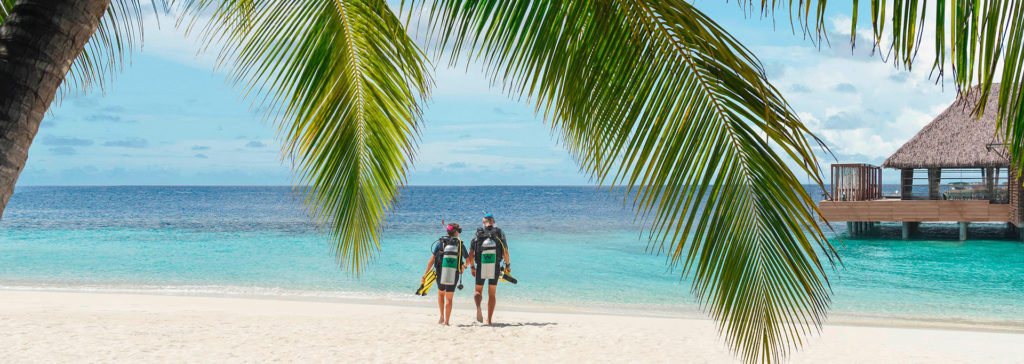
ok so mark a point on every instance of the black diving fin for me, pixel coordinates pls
(506, 276)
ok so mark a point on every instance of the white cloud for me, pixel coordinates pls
(877, 107)
(491, 126)
(163, 38)
(480, 153)
(882, 107)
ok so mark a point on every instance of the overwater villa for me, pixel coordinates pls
(954, 170)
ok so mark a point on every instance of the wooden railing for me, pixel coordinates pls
(916, 210)
(856, 182)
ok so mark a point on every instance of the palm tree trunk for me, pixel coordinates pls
(38, 41)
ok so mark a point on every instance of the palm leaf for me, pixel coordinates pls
(343, 80)
(980, 41)
(118, 35)
(654, 95)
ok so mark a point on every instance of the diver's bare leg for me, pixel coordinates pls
(448, 306)
(478, 297)
(491, 290)
(440, 305)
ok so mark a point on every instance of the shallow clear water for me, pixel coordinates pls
(571, 246)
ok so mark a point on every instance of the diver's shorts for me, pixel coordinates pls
(490, 282)
(445, 287)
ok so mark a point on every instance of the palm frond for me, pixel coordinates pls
(344, 81)
(654, 95)
(118, 35)
(980, 41)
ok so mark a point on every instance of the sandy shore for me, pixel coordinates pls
(99, 327)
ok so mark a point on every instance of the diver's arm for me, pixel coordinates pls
(430, 265)
(469, 262)
(463, 258)
(508, 263)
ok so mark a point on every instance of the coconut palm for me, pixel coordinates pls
(651, 95)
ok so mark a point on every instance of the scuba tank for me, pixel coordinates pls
(488, 260)
(450, 262)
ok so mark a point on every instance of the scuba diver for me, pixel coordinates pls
(486, 252)
(447, 263)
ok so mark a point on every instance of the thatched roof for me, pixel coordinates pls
(955, 139)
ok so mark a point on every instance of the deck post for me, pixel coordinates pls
(990, 183)
(934, 176)
(906, 230)
(906, 183)
(963, 230)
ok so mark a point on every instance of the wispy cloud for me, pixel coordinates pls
(63, 150)
(67, 141)
(846, 88)
(489, 126)
(107, 118)
(133, 142)
(799, 88)
(164, 38)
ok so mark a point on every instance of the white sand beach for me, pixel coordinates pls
(44, 326)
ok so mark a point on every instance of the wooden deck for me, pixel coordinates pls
(915, 210)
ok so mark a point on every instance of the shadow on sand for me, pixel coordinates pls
(513, 324)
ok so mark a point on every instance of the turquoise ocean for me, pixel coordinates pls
(573, 248)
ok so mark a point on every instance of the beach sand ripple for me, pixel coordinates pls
(41, 326)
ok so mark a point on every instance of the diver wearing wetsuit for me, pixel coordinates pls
(476, 247)
(445, 292)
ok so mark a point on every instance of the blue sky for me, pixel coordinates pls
(169, 118)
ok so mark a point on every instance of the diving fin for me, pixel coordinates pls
(506, 276)
(428, 281)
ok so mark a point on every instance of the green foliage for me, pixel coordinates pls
(344, 81)
(980, 41)
(118, 35)
(657, 97)
(652, 95)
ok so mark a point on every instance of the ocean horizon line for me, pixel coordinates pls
(416, 185)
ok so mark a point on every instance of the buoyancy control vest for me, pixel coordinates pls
(491, 248)
(488, 259)
(450, 252)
